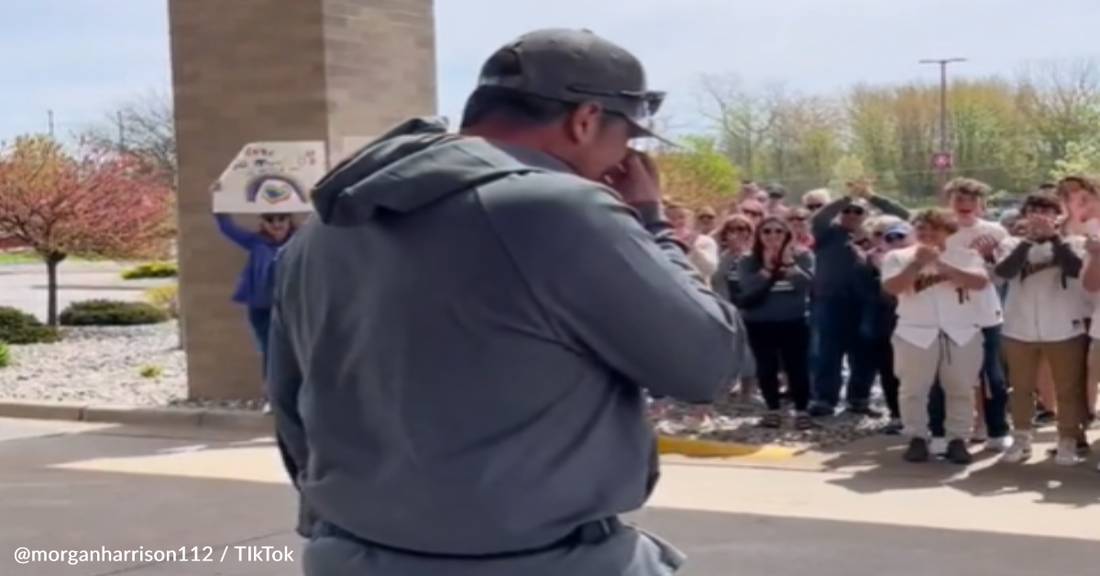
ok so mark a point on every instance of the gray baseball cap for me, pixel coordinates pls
(576, 66)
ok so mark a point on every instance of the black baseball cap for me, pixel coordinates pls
(576, 66)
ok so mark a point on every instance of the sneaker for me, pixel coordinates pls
(1082, 449)
(861, 409)
(1045, 417)
(803, 421)
(893, 427)
(771, 420)
(917, 451)
(999, 444)
(938, 446)
(1020, 449)
(957, 452)
(1066, 454)
(267, 408)
(822, 411)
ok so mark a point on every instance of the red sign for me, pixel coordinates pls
(942, 161)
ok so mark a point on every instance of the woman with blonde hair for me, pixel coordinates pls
(702, 249)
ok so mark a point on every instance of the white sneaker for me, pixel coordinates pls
(1018, 449)
(937, 446)
(1066, 454)
(267, 408)
(1000, 444)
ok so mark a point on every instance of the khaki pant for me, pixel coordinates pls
(1067, 361)
(958, 369)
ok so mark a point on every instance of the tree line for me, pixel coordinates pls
(1010, 131)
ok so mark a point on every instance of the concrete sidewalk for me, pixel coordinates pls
(66, 486)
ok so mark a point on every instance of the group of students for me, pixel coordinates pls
(976, 330)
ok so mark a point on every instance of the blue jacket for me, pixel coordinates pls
(254, 289)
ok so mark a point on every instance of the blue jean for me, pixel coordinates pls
(259, 319)
(836, 325)
(994, 398)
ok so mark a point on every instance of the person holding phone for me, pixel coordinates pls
(774, 303)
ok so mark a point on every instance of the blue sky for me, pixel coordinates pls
(80, 57)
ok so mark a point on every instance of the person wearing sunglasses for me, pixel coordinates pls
(888, 233)
(253, 289)
(799, 220)
(706, 220)
(735, 238)
(702, 248)
(774, 302)
(839, 302)
(815, 200)
(521, 268)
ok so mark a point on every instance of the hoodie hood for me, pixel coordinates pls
(414, 165)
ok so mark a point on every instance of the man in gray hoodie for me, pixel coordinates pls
(465, 333)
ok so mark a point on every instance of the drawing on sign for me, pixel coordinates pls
(268, 177)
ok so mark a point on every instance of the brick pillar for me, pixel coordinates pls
(252, 70)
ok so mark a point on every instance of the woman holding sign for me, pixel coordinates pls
(253, 288)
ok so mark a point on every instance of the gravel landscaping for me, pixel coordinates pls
(123, 366)
(734, 419)
(142, 366)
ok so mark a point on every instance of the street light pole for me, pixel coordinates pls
(943, 160)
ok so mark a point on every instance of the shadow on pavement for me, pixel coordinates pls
(875, 465)
(45, 506)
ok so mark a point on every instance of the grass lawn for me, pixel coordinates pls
(18, 257)
(27, 257)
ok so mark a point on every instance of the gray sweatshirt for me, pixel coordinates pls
(461, 346)
(789, 296)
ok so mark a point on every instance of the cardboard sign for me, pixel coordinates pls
(270, 177)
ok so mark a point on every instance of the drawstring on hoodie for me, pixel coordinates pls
(944, 342)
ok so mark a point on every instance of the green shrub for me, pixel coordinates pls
(111, 313)
(166, 298)
(151, 371)
(5, 355)
(19, 327)
(162, 269)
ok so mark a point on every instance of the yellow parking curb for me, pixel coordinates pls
(712, 449)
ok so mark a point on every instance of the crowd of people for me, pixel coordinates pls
(976, 330)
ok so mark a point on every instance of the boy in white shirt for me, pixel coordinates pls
(1044, 322)
(938, 334)
(966, 198)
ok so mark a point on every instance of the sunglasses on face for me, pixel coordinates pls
(814, 206)
(853, 212)
(772, 231)
(892, 238)
(275, 219)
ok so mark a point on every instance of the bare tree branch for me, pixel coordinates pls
(144, 127)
